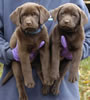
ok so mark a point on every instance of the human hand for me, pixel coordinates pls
(15, 53)
(65, 52)
(32, 55)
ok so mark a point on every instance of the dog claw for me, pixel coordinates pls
(72, 78)
(48, 82)
(30, 84)
(45, 90)
(23, 97)
(55, 90)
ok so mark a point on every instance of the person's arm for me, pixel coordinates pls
(5, 51)
(86, 46)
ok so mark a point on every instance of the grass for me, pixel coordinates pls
(1, 69)
(84, 81)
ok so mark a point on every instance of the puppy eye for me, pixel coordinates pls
(74, 15)
(33, 14)
(23, 15)
(62, 13)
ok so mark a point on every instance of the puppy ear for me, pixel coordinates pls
(44, 14)
(84, 18)
(54, 12)
(15, 16)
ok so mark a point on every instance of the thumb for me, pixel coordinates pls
(63, 41)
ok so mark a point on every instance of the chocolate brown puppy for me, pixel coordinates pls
(29, 33)
(70, 23)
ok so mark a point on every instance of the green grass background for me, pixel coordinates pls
(84, 80)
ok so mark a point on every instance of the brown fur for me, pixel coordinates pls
(29, 17)
(70, 24)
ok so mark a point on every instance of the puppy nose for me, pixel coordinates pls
(28, 22)
(66, 21)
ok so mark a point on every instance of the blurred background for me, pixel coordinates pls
(84, 72)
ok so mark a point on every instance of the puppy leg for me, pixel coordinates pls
(37, 64)
(73, 73)
(13, 41)
(56, 86)
(65, 64)
(44, 58)
(7, 77)
(45, 89)
(26, 69)
(55, 62)
(55, 57)
(19, 80)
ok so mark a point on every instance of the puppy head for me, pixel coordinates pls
(29, 16)
(69, 16)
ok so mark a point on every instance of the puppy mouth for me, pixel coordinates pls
(67, 28)
(30, 29)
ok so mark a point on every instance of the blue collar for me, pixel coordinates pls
(34, 32)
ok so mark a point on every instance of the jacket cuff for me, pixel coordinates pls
(9, 54)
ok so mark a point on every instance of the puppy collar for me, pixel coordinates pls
(34, 32)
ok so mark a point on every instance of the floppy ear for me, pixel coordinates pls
(15, 16)
(84, 18)
(44, 14)
(54, 12)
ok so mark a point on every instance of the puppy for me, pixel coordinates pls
(70, 21)
(29, 33)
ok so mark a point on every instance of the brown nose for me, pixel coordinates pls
(66, 21)
(29, 23)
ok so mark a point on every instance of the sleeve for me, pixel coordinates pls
(5, 51)
(86, 44)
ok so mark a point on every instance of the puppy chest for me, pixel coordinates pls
(33, 47)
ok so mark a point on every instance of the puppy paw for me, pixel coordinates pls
(48, 82)
(55, 90)
(23, 97)
(30, 83)
(54, 76)
(45, 90)
(72, 77)
(51, 82)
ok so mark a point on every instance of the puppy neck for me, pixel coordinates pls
(37, 31)
(69, 31)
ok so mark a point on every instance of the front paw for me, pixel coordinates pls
(55, 90)
(48, 82)
(30, 83)
(23, 96)
(45, 90)
(54, 76)
(72, 77)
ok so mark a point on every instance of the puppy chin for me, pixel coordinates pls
(67, 28)
(29, 30)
